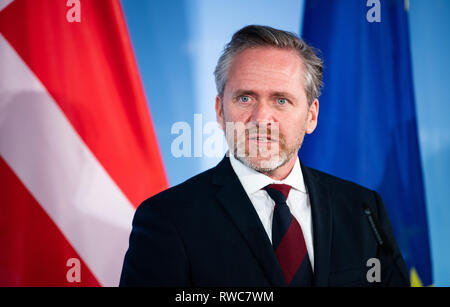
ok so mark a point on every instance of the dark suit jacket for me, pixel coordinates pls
(206, 232)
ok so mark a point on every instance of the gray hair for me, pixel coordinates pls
(263, 36)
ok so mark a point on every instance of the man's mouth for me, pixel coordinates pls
(262, 138)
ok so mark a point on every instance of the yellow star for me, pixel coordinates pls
(415, 279)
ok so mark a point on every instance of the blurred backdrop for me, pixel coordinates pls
(177, 44)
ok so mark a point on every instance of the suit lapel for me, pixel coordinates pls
(236, 203)
(322, 225)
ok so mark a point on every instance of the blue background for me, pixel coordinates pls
(178, 42)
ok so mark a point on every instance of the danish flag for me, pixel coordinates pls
(78, 152)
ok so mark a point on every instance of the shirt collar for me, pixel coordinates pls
(253, 181)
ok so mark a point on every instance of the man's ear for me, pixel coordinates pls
(313, 114)
(219, 112)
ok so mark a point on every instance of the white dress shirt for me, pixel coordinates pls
(298, 199)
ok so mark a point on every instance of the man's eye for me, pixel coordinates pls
(244, 99)
(281, 101)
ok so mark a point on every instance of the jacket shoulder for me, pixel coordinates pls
(333, 182)
(189, 191)
(345, 193)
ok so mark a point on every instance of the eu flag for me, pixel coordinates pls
(367, 130)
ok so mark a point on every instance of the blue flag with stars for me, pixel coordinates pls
(367, 130)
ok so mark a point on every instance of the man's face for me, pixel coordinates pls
(265, 100)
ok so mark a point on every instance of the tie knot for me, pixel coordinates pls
(278, 192)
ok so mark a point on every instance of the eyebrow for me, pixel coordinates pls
(242, 92)
(283, 94)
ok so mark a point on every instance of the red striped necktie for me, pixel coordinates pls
(288, 241)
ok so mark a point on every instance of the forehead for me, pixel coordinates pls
(266, 69)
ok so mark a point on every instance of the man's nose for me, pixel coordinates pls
(262, 113)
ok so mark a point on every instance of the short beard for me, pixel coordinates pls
(283, 155)
(268, 167)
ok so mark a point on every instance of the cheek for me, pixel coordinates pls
(291, 129)
(234, 115)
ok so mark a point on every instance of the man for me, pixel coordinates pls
(260, 217)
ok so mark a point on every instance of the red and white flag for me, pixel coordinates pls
(78, 152)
